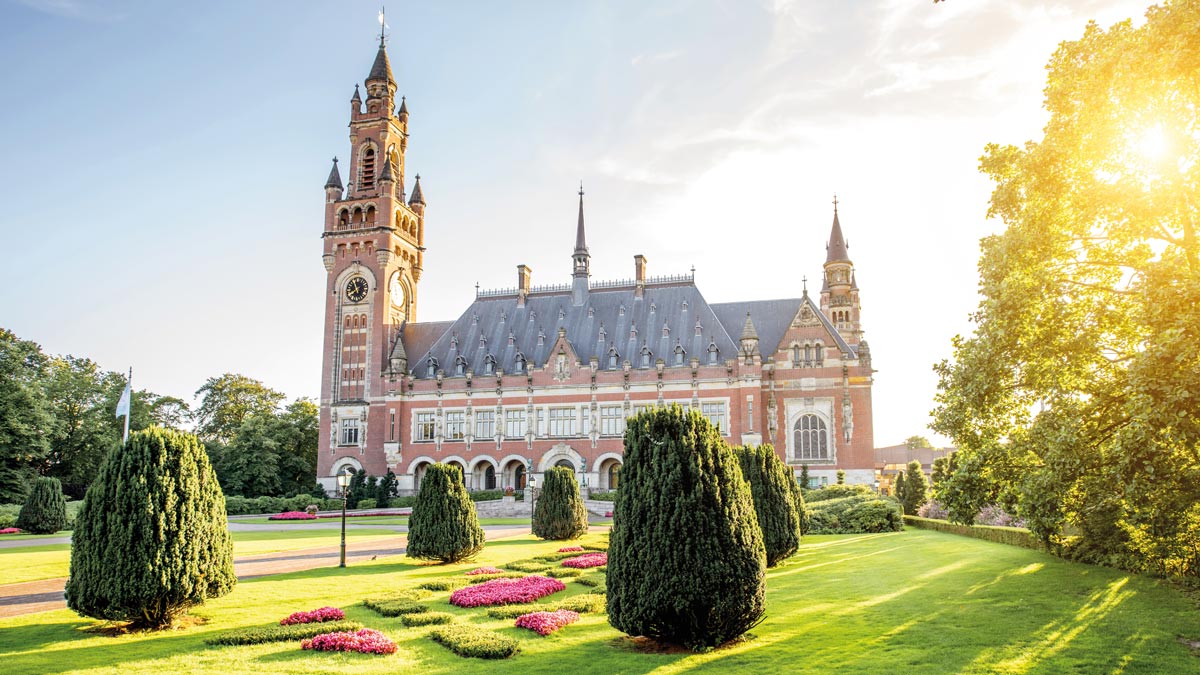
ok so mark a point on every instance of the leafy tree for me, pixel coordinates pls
(84, 427)
(686, 561)
(167, 411)
(443, 525)
(918, 443)
(841, 477)
(898, 486)
(1081, 372)
(559, 513)
(272, 454)
(227, 401)
(804, 481)
(45, 511)
(942, 468)
(357, 490)
(915, 489)
(775, 493)
(151, 540)
(25, 419)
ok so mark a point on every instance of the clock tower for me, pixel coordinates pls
(373, 254)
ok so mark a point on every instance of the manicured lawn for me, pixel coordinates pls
(364, 520)
(912, 602)
(52, 561)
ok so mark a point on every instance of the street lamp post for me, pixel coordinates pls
(343, 481)
(532, 499)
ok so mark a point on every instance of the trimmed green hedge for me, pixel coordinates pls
(529, 566)
(604, 496)
(443, 584)
(589, 581)
(584, 604)
(564, 573)
(480, 578)
(855, 514)
(836, 492)
(395, 607)
(426, 619)
(474, 642)
(1013, 536)
(275, 633)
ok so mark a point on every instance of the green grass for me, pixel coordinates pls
(363, 520)
(52, 561)
(911, 602)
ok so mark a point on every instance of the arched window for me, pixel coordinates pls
(520, 362)
(431, 366)
(811, 438)
(519, 477)
(368, 169)
(808, 354)
(680, 353)
(713, 353)
(820, 349)
(613, 356)
(646, 354)
(489, 364)
(460, 366)
(614, 471)
(565, 463)
(489, 478)
(795, 356)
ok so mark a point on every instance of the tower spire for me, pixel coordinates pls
(836, 249)
(580, 239)
(581, 259)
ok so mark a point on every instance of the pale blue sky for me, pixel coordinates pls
(164, 162)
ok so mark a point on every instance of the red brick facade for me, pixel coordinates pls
(531, 377)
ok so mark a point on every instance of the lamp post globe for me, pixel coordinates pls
(343, 481)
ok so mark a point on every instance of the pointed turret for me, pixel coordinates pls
(836, 249)
(749, 339)
(335, 177)
(386, 173)
(581, 259)
(356, 98)
(402, 111)
(417, 198)
(381, 70)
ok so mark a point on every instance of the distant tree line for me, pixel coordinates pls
(57, 419)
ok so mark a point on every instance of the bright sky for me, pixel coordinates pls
(163, 163)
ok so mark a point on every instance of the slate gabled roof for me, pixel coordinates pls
(677, 307)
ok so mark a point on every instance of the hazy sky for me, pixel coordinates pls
(164, 163)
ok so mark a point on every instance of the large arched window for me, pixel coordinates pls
(811, 438)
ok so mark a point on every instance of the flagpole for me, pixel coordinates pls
(128, 383)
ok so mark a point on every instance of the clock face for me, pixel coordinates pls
(356, 289)
(397, 291)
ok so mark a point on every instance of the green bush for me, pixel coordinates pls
(915, 490)
(151, 540)
(1014, 536)
(564, 573)
(604, 496)
(236, 506)
(480, 578)
(856, 514)
(836, 492)
(584, 604)
(774, 491)
(255, 635)
(394, 607)
(559, 513)
(443, 584)
(686, 558)
(602, 589)
(475, 642)
(529, 566)
(368, 503)
(589, 581)
(45, 510)
(426, 619)
(400, 502)
(8, 515)
(486, 495)
(443, 525)
(513, 611)
(557, 556)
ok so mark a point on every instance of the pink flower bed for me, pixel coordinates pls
(506, 591)
(11, 530)
(293, 515)
(570, 549)
(545, 623)
(485, 570)
(586, 560)
(373, 514)
(316, 616)
(364, 641)
(608, 514)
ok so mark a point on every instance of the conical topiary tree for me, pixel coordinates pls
(801, 509)
(915, 489)
(685, 561)
(774, 491)
(560, 513)
(45, 510)
(151, 540)
(443, 525)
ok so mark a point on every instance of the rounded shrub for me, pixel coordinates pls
(443, 525)
(151, 540)
(45, 510)
(775, 500)
(686, 561)
(560, 513)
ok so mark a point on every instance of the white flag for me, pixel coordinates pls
(123, 403)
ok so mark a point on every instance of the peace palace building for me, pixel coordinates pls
(533, 377)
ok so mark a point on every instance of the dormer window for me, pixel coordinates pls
(541, 338)
(646, 354)
(460, 366)
(613, 357)
(666, 330)
(520, 361)
(680, 354)
(431, 368)
(489, 365)
(713, 353)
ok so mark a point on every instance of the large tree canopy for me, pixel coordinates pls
(24, 415)
(1076, 401)
(227, 401)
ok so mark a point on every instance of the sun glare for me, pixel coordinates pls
(1152, 144)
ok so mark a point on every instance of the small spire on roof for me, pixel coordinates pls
(748, 332)
(402, 112)
(580, 239)
(386, 173)
(335, 177)
(804, 280)
(417, 197)
(356, 96)
(836, 248)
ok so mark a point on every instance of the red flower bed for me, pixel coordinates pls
(316, 616)
(570, 549)
(293, 515)
(545, 623)
(11, 530)
(586, 560)
(485, 570)
(506, 591)
(608, 514)
(364, 641)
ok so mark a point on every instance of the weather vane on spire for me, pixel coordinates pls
(835, 202)
(382, 26)
(580, 188)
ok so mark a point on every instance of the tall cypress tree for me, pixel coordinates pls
(560, 513)
(915, 488)
(686, 561)
(774, 491)
(151, 540)
(443, 525)
(45, 511)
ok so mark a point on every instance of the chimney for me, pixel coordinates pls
(639, 275)
(523, 283)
